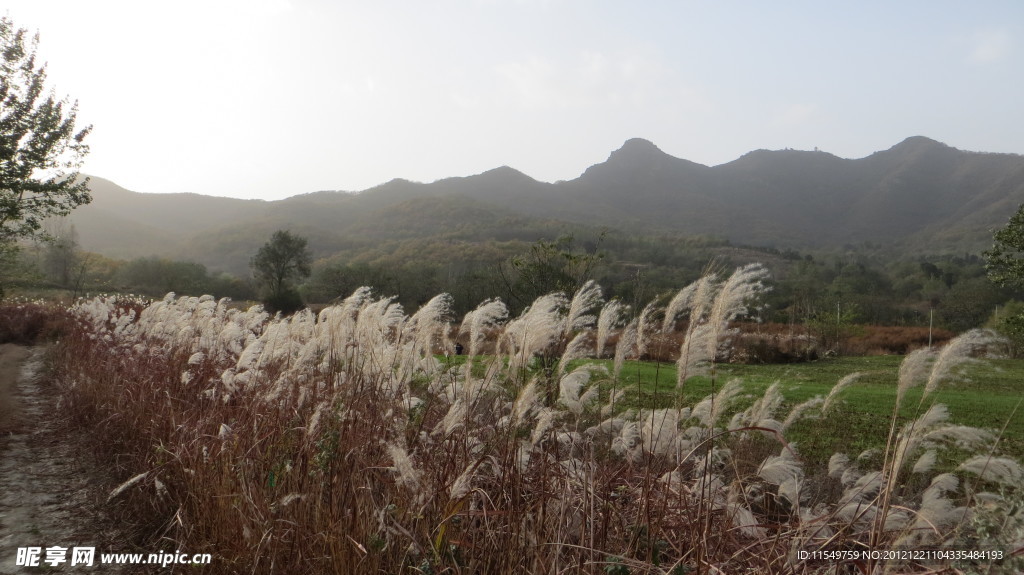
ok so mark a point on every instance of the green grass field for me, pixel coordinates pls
(986, 396)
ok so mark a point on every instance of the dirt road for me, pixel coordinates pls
(48, 494)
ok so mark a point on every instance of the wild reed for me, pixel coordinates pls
(341, 443)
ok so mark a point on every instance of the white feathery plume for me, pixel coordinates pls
(646, 328)
(958, 351)
(660, 431)
(1002, 470)
(936, 512)
(778, 469)
(570, 386)
(430, 322)
(463, 483)
(454, 418)
(527, 401)
(608, 426)
(703, 338)
(487, 315)
(838, 388)
(607, 320)
(628, 440)
(800, 409)
(745, 284)
(583, 301)
(535, 329)
(627, 341)
(407, 473)
(914, 370)
(545, 420)
(945, 483)
(760, 413)
(745, 521)
(864, 489)
(576, 349)
(355, 302)
(694, 356)
(711, 407)
(837, 464)
(677, 305)
(925, 463)
(127, 484)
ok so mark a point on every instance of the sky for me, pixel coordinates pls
(273, 98)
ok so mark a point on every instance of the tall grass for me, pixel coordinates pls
(340, 443)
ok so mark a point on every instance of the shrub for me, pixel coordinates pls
(31, 322)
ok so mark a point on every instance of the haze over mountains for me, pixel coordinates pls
(920, 196)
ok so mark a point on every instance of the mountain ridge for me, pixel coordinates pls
(917, 195)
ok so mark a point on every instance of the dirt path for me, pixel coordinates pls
(47, 495)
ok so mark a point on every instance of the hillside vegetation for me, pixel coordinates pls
(919, 196)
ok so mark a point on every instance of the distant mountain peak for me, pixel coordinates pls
(506, 172)
(635, 148)
(921, 143)
(637, 155)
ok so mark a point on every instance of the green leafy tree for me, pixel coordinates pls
(40, 149)
(277, 265)
(549, 266)
(1005, 261)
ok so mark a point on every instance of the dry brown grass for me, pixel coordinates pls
(339, 444)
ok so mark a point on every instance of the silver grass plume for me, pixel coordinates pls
(407, 473)
(488, 314)
(914, 370)
(838, 464)
(431, 321)
(837, 389)
(800, 409)
(761, 412)
(745, 284)
(646, 327)
(660, 431)
(572, 384)
(694, 356)
(609, 318)
(539, 326)
(711, 407)
(545, 420)
(935, 514)
(126, 485)
(624, 348)
(1002, 470)
(578, 348)
(925, 463)
(958, 351)
(680, 303)
(778, 469)
(583, 301)
(527, 401)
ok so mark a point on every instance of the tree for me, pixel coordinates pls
(282, 260)
(1005, 261)
(40, 150)
(549, 266)
(61, 257)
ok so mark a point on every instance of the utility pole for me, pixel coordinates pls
(931, 322)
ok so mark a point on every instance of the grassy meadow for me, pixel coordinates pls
(341, 442)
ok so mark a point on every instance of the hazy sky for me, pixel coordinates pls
(273, 98)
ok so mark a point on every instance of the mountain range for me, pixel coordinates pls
(919, 196)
